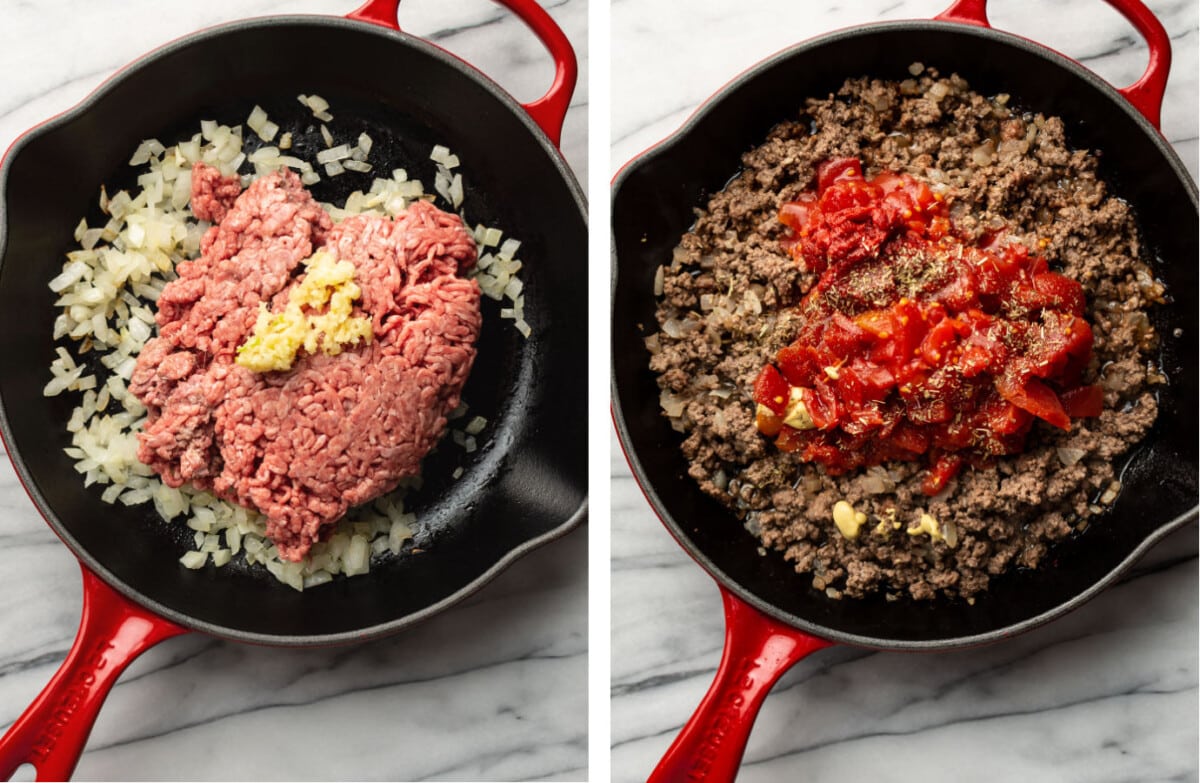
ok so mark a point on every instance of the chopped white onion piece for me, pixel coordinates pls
(194, 560)
(508, 249)
(340, 152)
(317, 104)
(257, 119)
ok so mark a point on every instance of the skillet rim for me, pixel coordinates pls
(1052, 58)
(206, 36)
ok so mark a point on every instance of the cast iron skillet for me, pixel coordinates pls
(773, 616)
(523, 488)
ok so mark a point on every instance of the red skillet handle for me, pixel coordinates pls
(1146, 94)
(549, 110)
(51, 734)
(758, 650)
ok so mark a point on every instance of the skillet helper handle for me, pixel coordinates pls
(548, 111)
(1146, 94)
(51, 734)
(758, 650)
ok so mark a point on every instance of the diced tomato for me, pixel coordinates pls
(864, 420)
(876, 381)
(842, 336)
(790, 440)
(944, 468)
(960, 292)
(905, 200)
(957, 434)
(827, 454)
(914, 345)
(837, 170)
(888, 183)
(1002, 417)
(924, 409)
(1059, 339)
(799, 363)
(860, 244)
(771, 390)
(1061, 293)
(910, 438)
(822, 404)
(879, 323)
(910, 329)
(974, 360)
(938, 227)
(939, 341)
(795, 214)
(1083, 402)
(1034, 396)
(995, 273)
(1034, 265)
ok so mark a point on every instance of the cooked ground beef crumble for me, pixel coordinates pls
(726, 309)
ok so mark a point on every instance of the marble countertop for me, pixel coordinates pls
(494, 689)
(1108, 693)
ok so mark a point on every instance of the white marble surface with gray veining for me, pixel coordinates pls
(1108, 693)
(494, 689)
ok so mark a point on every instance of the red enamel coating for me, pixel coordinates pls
(1146, 94)
(550, 110)
(380, 12)
(51, 734)
(758, 650)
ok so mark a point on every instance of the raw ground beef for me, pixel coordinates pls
(725, 311)
(302, 446)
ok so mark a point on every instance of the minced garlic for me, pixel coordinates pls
(797, 416)
(278, 337)
(848, 520)
(929, 526)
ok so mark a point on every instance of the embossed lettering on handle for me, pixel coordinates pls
(758, 650)
(51, 734)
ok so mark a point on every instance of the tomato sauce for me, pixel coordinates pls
(914, 344)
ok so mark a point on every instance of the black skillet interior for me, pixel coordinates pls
(524, 486)
(653, 203)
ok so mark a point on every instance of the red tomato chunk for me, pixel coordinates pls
(915, 345)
